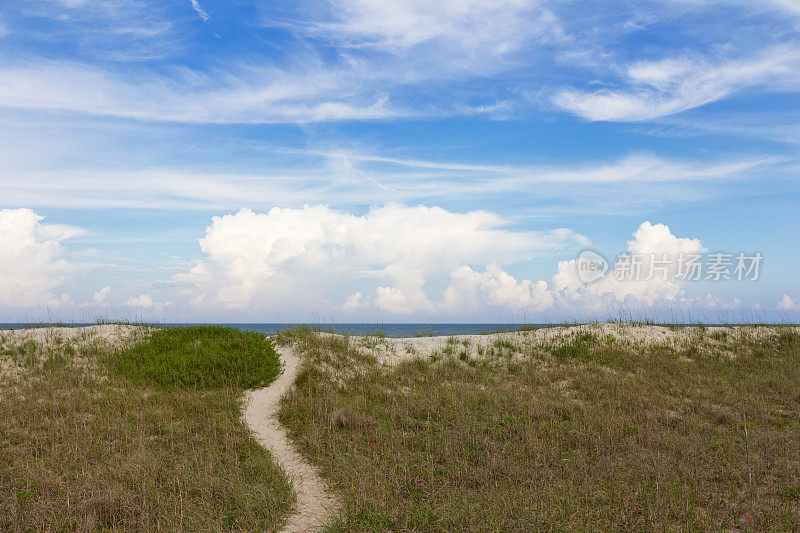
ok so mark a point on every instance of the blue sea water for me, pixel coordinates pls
(393, 330)
(390, 330)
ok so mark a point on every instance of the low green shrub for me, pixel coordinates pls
(204, 357)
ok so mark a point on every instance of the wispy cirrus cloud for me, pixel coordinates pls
(200, 11)
(383, 60)
(463, 34)
(123, 31)
(311, 93)
(342, 178)
(786, 6)
(315, 83)
(642, 167)
(669, 86)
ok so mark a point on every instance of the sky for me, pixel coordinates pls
(399, 161)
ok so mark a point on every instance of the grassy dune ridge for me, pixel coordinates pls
(581, 429)
(140, 435)
(601, 427)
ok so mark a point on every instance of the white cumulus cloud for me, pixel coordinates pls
(145, 303)
(31, 262)
(650, 242)
(313, 253)
(140, 301)
(101, 296)
(470, 289)
(422, 262)
(567, 293)
(788, 303)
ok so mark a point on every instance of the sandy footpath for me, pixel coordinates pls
(314, 502)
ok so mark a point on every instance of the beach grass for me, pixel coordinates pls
(140, 448)
(585, 431)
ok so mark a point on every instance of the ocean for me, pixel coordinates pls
(389, 330)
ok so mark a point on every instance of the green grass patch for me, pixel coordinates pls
(84, 450)
(203, 357)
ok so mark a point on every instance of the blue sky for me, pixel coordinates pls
(393, 161)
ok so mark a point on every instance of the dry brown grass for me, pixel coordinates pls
(584, 433)
(81, 450)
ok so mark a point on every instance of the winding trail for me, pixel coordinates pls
(314, 502)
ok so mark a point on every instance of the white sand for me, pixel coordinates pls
(315, 503)
(77, 337)
(391, 351)
(111, 333)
